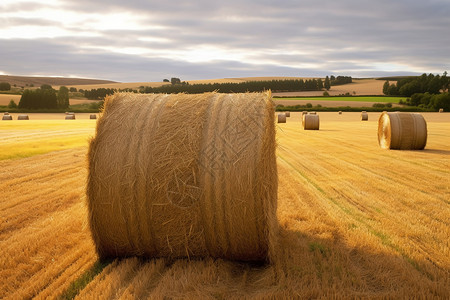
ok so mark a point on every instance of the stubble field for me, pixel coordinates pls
(356, 220)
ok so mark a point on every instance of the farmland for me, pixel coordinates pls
(355, 220)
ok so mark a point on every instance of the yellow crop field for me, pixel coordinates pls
(356, 221)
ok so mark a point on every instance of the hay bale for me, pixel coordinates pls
(313, 113)
(310, 122)
(364, 116)
(441, 110)
(69, 113)
(23, 117)
(402, 131)
(93, 117)
(288, 114)
(282, 118)
(7, 117)
(340, 112)
(184, 176)
(70, 117)
(304, 112)
(6, 113)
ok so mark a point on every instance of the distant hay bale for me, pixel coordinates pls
(23, 117)
(70, 117)
(304, 112)
(282, 118)
(441, 110)
(93, 117)
(7, 117)
(340, 112)
(313, 113)
(69, 113)
(310, 122)
(184, 175)
(364, 116)
(402, 131)
(6, 113)
(288, 114)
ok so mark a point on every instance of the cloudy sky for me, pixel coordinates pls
(139, 40)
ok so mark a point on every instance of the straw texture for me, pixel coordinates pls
(184, 176)
(402, 131)
(364, 116)
(310, 122)
(7, 117)
(23, 117)
(282, 118)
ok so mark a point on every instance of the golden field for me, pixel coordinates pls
(356, 221)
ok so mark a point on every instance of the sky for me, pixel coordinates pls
(138, 40)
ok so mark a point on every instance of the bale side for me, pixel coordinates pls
(184, 176)
(402, 131)
(7, 117)
(23, 117)
(70, 117)
(311, 122)
(93, 117)
(288, 114)
(282, 118)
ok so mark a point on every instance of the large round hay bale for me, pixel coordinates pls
(7, 117)
(288, 114)
(184, 176)
(364, 116)
(23, 117)
(403, 131)
(441, 110)
(70, 117)
(93, 117)
(282, 118)
(310, 122)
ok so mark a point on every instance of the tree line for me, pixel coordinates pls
(45, 97)
(427, 91)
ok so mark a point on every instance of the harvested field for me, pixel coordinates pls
(357, 221)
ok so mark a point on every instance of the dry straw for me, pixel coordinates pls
(23, 117)
(288, 114)
(310, 122)
(184, 176)
(7, 117)
(70, 117)
(282, 118)
(93, 117)
(402, 131)
(364, 116)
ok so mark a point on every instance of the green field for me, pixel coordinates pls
(350, 98)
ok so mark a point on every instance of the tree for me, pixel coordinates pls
(174, 80)
(386, 87)
(37, 99)
(327, 84)
(12, 104)
(166, 80)
(73, 90)
(46, 87)
(319, 84)
(5, 86)
(63, 97)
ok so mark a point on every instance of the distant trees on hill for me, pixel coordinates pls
(5, 86)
